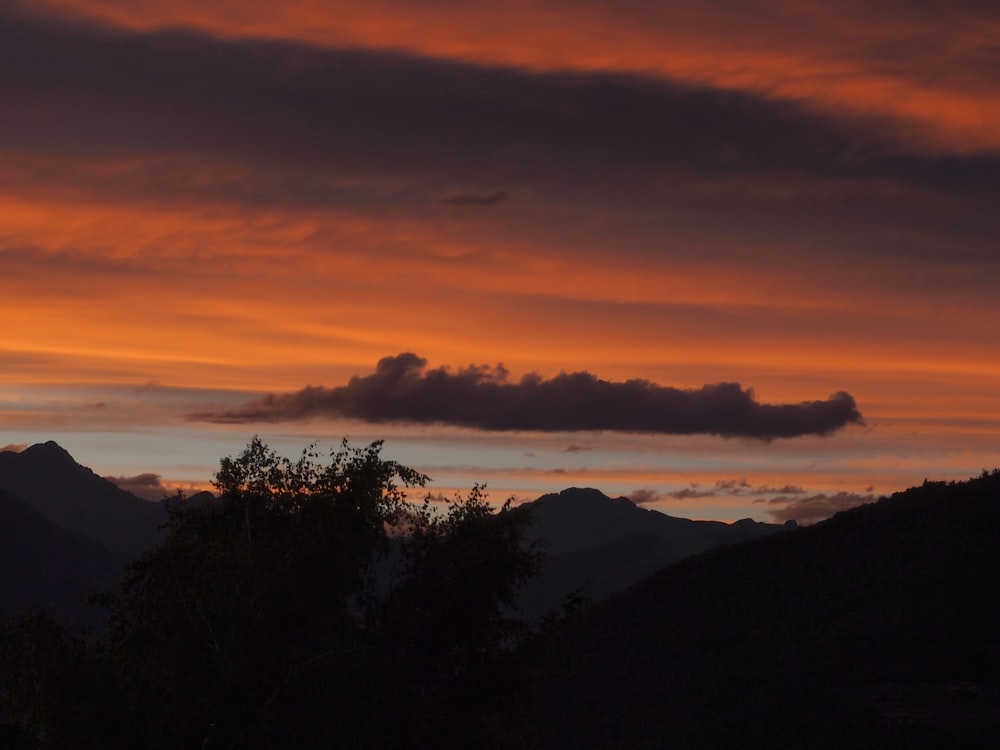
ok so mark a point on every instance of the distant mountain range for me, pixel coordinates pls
(875, 629)
(83, 528)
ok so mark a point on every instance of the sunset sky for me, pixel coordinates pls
(730, 259)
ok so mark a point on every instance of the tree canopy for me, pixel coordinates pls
(308, 605)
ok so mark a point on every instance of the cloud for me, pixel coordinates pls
(735, 487)
(927, 65)
(574, 448)
(403, 389)
(816, 507)
(146, 486)
(13, 447)
(743, 487)
(691, 493)
(474, 199)
(732, 486)
(260, 102)
(644, 495)
(788, 489)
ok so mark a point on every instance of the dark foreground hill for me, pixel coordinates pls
(603, 545)
(877, 628)
(72, 496)
(45, 567)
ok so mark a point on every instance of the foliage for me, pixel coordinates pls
(290, 612)
(54, 684)
(471, 653)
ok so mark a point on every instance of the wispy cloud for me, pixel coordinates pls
(148, 486)
(743, 487)
(691, 493)
(477, 199)
(813, 508)
(644, 496)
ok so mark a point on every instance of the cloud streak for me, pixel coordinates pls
(270, 103)
(148, 486)
(815, 508)
(475, 199)
(928, 67)
(403, 389)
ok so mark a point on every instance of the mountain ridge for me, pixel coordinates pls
(851, 632)
(601, 545)
(47, 478)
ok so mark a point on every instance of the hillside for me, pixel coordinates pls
(45, 567)
(876, 628)
(45, 477)
(603, 545)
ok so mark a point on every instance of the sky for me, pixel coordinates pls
(728, 259)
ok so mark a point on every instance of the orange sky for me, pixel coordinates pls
(204, 202)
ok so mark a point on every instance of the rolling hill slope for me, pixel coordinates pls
(877, 628)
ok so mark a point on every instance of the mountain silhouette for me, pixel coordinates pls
(876, 628)
(45, 477)
(45, 567)
(603, 545)
(591, 542)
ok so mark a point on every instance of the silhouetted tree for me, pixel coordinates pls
(308, 605)
(450, 625)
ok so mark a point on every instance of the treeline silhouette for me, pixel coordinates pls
(265, 619)
(309, 606)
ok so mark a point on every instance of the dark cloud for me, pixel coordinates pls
(146, 486)
(94, 90)
(691, 493)
(281, 124)
(574, 448)
(814, 508)
(643, 496)
(736, 487)
(732, 486)
(743, 487)
(403, 389)
(788, 489)
(475, 199)
(13, 447)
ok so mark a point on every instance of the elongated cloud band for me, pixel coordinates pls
(403, 389)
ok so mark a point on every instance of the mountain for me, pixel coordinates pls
(45, 567)
(876, 628)
(605, 545)
(45, 477)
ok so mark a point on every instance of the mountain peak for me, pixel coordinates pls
(577, 495)
(48, 478)
(48, 451)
